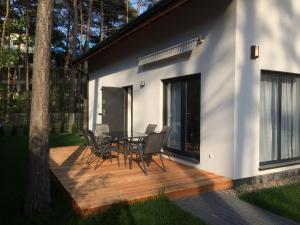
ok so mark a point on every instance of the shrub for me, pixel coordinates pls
(74, 128)
(14, 130)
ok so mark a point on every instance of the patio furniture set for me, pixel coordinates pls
(138, 147)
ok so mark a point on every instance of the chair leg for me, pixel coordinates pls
(118, 159)
(162, 162)
(130, 160)
(168, 154)
(110, 156)
(145, 168)
(125, 158)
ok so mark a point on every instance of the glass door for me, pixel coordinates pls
(182, 112)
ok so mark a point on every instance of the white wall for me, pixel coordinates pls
(273, 25)
(214, 59)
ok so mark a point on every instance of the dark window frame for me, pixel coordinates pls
(183, 155)
(278, 162)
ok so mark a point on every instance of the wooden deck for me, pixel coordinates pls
(93, 189)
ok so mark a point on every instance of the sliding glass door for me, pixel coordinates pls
(182, 112)
(279, 117)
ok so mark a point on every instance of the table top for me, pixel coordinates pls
(123, 135)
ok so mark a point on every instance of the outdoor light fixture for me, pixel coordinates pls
(142, 84)
(254, 52)
(200, 40)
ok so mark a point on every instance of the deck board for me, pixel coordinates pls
(92, 189)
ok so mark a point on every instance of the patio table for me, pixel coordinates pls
(120, 136)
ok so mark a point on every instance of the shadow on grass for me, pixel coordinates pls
(13, 152)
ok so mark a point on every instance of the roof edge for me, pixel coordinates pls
(157, 11)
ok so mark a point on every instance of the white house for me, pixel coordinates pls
(225, 74)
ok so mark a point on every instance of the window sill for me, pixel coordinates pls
(279, 164)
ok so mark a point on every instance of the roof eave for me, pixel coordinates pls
(157, 11)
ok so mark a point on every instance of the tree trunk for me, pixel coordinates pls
(101, 22)
(81, 27)
(65, 73)
(26, 62)
(85, 115)
(37, 198)
(4, 24)
(138, 7)
(126, 15)
(72, 82)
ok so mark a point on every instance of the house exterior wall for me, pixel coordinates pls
(214, 60)
(273, 25)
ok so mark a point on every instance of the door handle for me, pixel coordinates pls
(103, 113)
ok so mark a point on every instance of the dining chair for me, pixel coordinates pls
(101, 131)
(100, 151)
(167, 131)
(150, 128)
(145, 152)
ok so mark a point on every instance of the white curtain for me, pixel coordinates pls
(290, 118)
(175, 135)
(268, 119)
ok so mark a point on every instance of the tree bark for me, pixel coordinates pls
(138, 7)
(4, 25)
(26, 62)
(65, 73)
(101, 22)
(85, 114)
(72, 82)
(81, 27)
(37, 199)
(126, 15)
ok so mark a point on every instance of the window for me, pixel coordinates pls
(182, 112)
(279, 117)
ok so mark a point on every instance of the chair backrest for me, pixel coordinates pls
(150, 128)
(166, 130)
(154, 143)
(86, 138)
(92, 140)
(101, 129)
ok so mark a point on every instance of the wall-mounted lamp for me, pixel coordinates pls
(200, 40)
(254, 52)
(142, 84)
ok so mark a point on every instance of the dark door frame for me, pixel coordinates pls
(181, 154)
(126, 88)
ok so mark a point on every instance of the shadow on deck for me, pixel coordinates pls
(91, 190)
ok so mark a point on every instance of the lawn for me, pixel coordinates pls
(13, 152)
(282, 200)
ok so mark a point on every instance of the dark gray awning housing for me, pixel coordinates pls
(181, 48)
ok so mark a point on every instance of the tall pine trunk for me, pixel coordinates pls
(101, 21)
(4, 25)
(37, 198)
(73, 79)
(85, 114)
(26, 62)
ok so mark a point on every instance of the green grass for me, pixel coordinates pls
(13, 154)
(282, 200)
